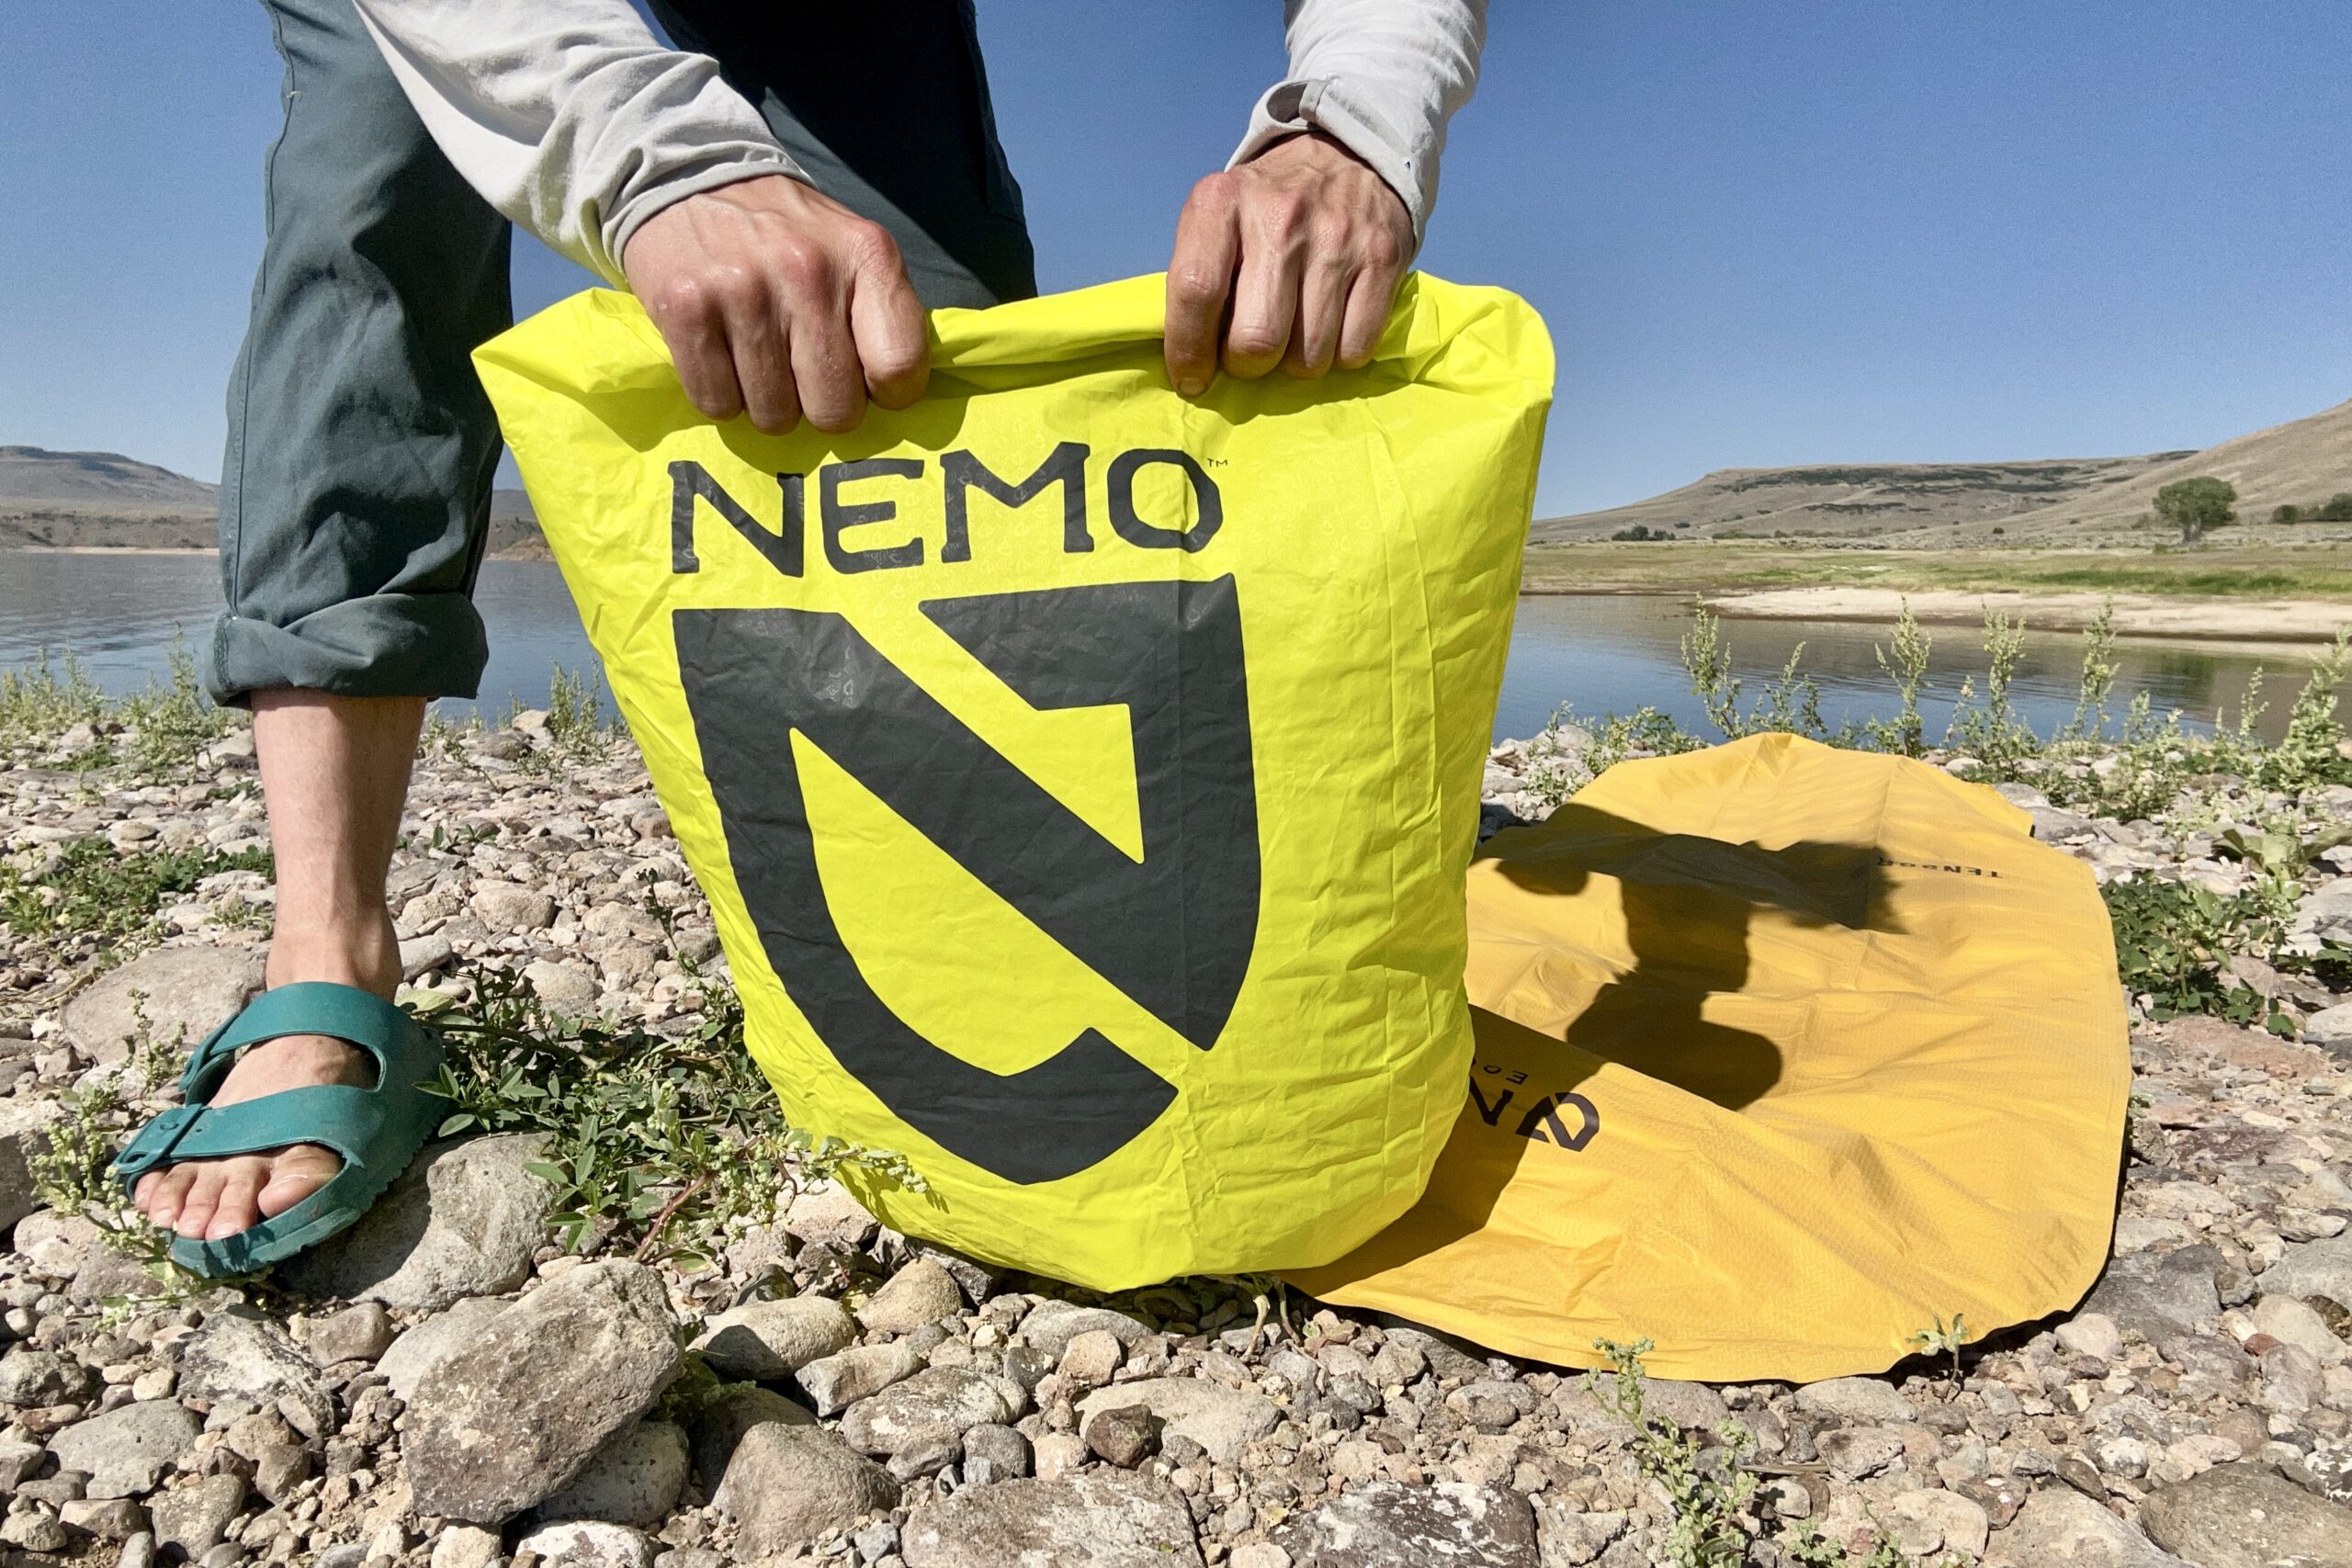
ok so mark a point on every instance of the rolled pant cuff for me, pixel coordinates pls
(386, 645)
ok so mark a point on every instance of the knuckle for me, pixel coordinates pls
(679, 299)
(871, 248)
(1195, 283)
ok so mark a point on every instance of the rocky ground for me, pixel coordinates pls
(444, 1385)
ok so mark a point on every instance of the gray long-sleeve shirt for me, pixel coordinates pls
(571, 119)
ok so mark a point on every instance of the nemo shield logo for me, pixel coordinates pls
(1174, 932)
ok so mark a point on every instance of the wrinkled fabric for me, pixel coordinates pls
(1784, 1055)
(1082, 777)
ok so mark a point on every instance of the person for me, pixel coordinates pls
(786, 190)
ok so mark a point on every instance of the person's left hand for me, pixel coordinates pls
(1306, 244)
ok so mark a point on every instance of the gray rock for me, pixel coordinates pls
(109, 1519)
(1385, 1524)
(586, 1544)
(1090, 1361)
(835, 1383)
(2315, 1269)
(1222, 1420)
(831, 1215)
(1691, 1406)
(1123, 1435)
(30, 1377)
(1856, 1399)
(421, 956)
(2157, 1297)
(18, 1460)
(2282, 1317)
(23, 1123)
(634, 1479)
(188, 992)
(467, 1546)
(194, 1518)
(506, 907)
(1852, 1452)
(786, 1485)
(515, 1416)
(241, 1358)
(718, 1424)
(921, 1292)
(566, 987)
(463, 1220)
(1567, 1539)
(1446, 1358)
(1051, 1326)
(1099, 1520)
(2061, 1525)
(126, 1451)
(361, 1333)
(2330, 1029)
(993, 1453)
(1491, 1404)
(2242, 1516)
(765, 1341)
(949, 1400)
(435, 1339)
(2092, 1334)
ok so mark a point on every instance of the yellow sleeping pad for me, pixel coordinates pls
(1783, 1054)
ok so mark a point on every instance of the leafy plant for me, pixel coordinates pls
(43, 699)
(1905, 664)
(94, 889)
(1944, 1339)
(654, 1141)
(1705, 1529)
(1991, 729)
(2173, 942)
(170, 721)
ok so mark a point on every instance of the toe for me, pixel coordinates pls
(238, 1204)
(203, 1197)
(296, 1173)
(168, 1195)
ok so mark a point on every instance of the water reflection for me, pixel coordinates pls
(120, 612)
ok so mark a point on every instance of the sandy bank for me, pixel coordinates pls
(2136, 615)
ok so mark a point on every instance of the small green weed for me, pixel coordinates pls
(1707, 1529)
(99, 891)
(2173, 942)
(172, 720)
(655, 1143)
(42, 700)
(1944, 1339)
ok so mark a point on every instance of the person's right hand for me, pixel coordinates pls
(777, 302)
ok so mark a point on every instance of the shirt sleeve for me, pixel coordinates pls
(569, 116)
(1381, 77)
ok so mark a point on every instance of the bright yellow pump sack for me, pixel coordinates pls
(1784, 1053)
(1082, 777)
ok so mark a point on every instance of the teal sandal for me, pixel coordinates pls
(377, 1131)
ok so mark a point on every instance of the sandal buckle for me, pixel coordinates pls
(154, 1142)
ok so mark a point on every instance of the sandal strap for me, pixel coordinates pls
(336, 1116)
(306, 1007)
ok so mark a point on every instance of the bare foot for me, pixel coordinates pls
(214, 1199)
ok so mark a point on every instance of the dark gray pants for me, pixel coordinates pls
(354, 494)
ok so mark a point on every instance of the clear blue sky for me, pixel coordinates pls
(1762, 233)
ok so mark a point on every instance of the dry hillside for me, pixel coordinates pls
(106, 500)
(2053, 501)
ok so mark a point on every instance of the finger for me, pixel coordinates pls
(826, 369)
(1322, 308)
(1200, 280)
(1370, 298)
(759, 361)
(1265, 305)
(891, 338)
(692, 323)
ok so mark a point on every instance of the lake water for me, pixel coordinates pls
(119, 613)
